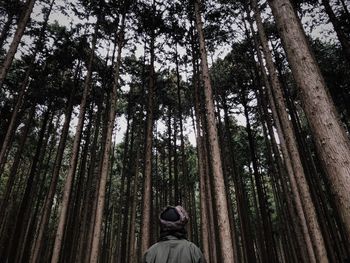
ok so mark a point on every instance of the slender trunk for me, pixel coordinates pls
(87, 209)
(170, 153)
(175, 163)
(107, 149)
(266, 242)
(132, 232)
(16, 40)
(332, 143)
(74, 159)
(241, 198)
(147, 187)
(46, 209)
(225, 238)
(184, 178)
(300, 219)
(309, 209)
(201, 169)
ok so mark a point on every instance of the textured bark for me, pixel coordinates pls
(282, 196)
(74, 159)
(16, 40)
(332, 143)
(300, 219)
(225, 237)
(201, 168)
(147, 186)
(304, 190)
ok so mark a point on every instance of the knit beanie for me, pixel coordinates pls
(173, 218)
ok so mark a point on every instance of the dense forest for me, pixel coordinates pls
(238, 110)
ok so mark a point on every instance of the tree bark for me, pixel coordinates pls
(147, 187)
(332, 143)
(309, 209)
(225, 238)
(201, 170)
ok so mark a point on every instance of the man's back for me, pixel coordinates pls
(173, 250)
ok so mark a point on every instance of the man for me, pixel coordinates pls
(173, 246)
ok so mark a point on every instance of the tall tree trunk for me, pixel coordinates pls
(225, 238)
(74, 159)
(107, 149)
(331, 141)
(16, 40)
(267, 242)
(201, 169)
(309, 209)
(147, 187)
(300, 219)
(132, 256)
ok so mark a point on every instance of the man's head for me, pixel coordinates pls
(173, 218)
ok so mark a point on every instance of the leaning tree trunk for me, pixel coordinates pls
(225, 237)
(332, 143)
(74, 159)
(300, 219)
(309, 208)
(16, 40)
(12, 127)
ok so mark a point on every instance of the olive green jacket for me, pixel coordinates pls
(173, 250)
